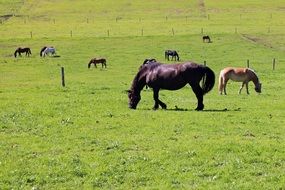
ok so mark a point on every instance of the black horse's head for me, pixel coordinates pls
(258, 88)
(133, 99)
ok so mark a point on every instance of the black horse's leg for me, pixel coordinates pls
(199, 95)
(157, 101)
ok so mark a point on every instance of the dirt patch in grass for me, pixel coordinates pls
(263, 41)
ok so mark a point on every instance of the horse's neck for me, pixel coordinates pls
(254, 78)
(138, 82)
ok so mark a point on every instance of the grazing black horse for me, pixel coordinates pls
(171, 77)
(147, 61)
(23, 50)
(171, 53)
(43, 49)
(206, 39)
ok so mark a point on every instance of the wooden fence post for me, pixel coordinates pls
(62, 77)
(273, 64)
(71, 33)
(205, 64)
(31, 33)
(247, 63)
(108, 33)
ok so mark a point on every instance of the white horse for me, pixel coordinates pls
(48, 51)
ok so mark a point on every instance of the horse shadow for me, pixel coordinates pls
(193, 110)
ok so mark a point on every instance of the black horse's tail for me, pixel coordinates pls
(208, 80)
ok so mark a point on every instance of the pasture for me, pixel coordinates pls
(84, 136)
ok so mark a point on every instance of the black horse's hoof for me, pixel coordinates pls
(200, 108)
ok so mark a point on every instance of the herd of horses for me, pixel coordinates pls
(201, 79)
(160, 76)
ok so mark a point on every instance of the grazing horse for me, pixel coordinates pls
(96, 61)
(171, 53)
(171, 77)
(48, 51)
(41, 52)
(243, 75)
(207, 39)
(23, 50)
(148, 61)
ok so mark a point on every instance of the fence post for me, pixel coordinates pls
(172, 32)
(31, 33)
(205, 63)
(273, 64)
(62, 77)
(202, 31)
(247, 63)
(108, 33)
(71, 33)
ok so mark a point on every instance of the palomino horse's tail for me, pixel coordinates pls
(208, 80)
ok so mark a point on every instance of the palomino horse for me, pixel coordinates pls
(171, 53)
(48, 51)
(206, 39)
(23, 50)
(171, 77)
(243, 75)
(96, 61)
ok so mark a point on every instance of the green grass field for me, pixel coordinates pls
(84, 136)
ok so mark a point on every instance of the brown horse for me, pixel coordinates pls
(96, 61)
(243, 75)
(23, 50)
(171, 77)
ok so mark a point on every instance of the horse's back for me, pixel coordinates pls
(235, 74)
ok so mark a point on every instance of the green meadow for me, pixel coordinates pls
(84, 136)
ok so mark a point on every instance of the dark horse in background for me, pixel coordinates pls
(96, 61)
(171, 53)
(207, 39)
(43, 49)
(171, 77)
(148, 61)
(23, 50)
